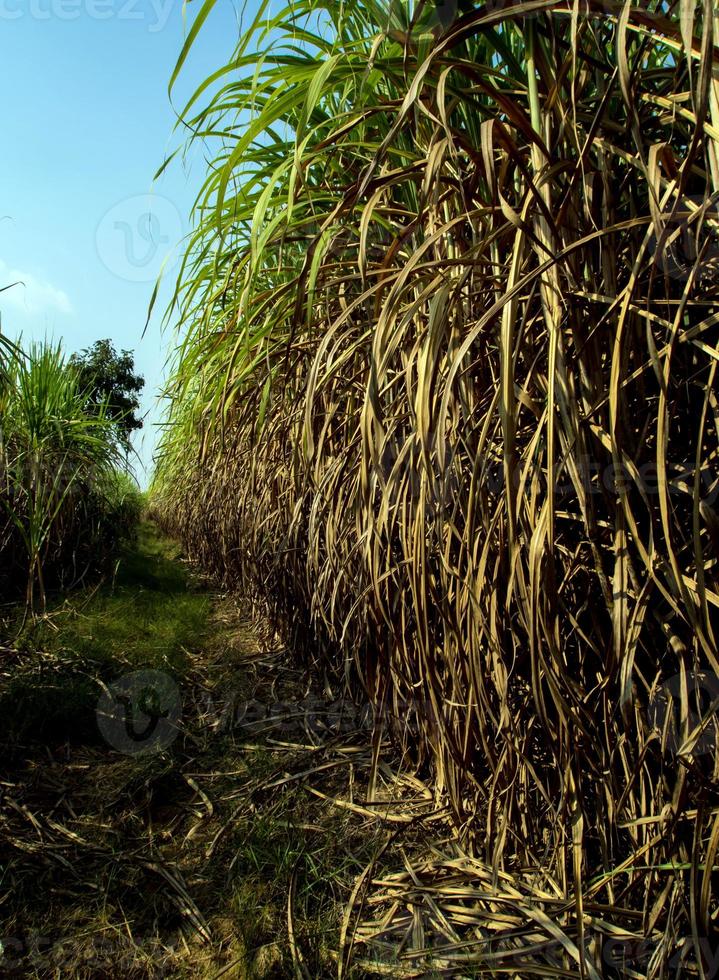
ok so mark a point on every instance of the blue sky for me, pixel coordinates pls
(86, 123)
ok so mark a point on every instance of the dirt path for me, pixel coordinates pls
(154, 805)
(178, 799)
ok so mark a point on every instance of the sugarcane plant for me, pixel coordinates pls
(444, 398)
(58, 462)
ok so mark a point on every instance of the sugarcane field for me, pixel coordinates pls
(359, 489)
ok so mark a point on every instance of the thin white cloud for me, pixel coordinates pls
(32, 296)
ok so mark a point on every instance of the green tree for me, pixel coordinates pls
(110, 380)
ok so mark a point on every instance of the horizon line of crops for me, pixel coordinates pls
(66, 497)
(445, 399)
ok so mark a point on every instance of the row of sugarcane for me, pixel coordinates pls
(445, 401)
(67, 500)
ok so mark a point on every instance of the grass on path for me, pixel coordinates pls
(146, 617)
(177, 862)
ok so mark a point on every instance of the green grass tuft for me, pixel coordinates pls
(146, 617)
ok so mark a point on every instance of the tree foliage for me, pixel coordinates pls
(110, 380)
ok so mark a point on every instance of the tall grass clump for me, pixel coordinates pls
(65, 501)
(445, 397)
